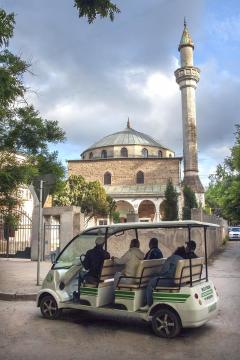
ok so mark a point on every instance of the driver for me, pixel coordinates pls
(93, 261)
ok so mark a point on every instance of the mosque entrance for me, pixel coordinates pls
(146, 211)
(124, 208)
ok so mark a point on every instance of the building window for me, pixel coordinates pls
(102, 222)
(145, 153)
(140, 177)
(107, 178)
(124, 152)
(104, 154)
(170, 155)
(90, 155)
(159, 153)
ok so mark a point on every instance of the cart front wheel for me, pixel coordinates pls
(166, 323)
(49, 308)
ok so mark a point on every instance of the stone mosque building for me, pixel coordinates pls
(134, 168)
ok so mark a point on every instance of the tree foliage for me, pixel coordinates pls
(93, 8)
(223, 193)
(24, 134)
(170, 205)
(190, 202)
(90, 196)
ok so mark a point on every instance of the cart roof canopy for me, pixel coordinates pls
(162, 224)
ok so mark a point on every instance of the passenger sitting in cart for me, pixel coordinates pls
(166, 275)
(131, 259)
(190, 248)
(94, 260)
(154, 252)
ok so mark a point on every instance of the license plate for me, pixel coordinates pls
(212, 307)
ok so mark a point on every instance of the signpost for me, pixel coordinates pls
(42, 186)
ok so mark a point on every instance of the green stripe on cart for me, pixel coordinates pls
(171, 295)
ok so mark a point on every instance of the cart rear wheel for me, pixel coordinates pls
(166, 323)
(49, 308)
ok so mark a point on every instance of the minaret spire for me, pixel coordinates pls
(187, 77)
(128, 124)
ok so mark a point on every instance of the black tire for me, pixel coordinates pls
(166, 323)
(49, 308)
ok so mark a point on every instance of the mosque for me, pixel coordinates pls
(134, 168)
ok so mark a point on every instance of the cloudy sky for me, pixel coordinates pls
(91, 78)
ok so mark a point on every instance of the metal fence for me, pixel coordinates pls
(51, 239)
(16, 242)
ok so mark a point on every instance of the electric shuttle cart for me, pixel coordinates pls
(190, 302)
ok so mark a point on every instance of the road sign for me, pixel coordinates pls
(49, 181)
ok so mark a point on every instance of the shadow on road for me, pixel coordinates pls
(125, 324)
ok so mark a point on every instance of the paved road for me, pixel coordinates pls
(24, 334)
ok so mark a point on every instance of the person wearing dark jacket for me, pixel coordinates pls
(93, 261)
(165, 277)
(154, 252)
(190, 248)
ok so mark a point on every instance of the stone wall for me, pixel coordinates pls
(218, 235)
(71, 222)
(156, 171)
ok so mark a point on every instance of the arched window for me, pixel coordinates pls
(104, 154)
(90, 155)
(124, 152)
(140, 177)
(170, 155)
(107, 178)
(145, 153)
(159, 153)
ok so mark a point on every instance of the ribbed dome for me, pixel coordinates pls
(128, 136)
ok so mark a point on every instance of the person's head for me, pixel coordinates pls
(180, 251)
(135, 243)
(100, 241)
(191, 246)
(153, 243)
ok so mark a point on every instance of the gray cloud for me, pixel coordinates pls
(92, 77)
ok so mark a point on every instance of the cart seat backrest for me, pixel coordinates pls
(148, 268)
(109, 269)
(183, 270)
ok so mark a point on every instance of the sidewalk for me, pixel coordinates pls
(18, 278)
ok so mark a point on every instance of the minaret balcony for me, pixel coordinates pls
(187, 73)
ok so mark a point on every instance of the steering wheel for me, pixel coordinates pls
(82, 257)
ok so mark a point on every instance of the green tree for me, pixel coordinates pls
(223, 193)
(90, 196)
(170, 204)
(93, 8)
(190, 202)
(24, 134)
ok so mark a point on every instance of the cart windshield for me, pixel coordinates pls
(77, 247)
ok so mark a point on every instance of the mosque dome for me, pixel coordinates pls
(128, 138)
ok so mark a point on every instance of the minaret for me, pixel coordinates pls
(187, 76)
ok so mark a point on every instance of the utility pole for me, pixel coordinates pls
(40, 231)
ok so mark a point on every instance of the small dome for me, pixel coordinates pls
(128, 136)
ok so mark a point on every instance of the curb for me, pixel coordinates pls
(17, 297)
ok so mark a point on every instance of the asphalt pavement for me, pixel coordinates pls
(24, 334)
